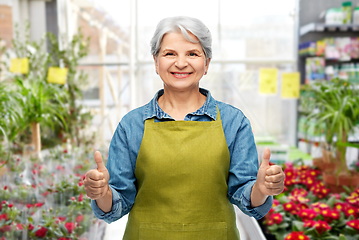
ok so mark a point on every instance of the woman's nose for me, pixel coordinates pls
(181, 62)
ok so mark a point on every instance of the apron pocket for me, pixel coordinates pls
(178, 231)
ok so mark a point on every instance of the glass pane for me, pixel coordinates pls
(256, 29)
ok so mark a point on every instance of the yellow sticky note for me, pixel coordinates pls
(57, 75)
(268, 78)
(290, 85)
(19, 65)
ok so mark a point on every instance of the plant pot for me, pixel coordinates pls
(336, 182)
(327, 155)
(323, 165)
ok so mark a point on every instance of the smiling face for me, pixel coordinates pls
(180, 63)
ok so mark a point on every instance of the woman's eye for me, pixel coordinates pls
(169, 54)
(193, 54)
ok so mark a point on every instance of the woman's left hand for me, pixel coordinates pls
(270, 178)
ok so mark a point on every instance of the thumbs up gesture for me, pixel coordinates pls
(270, 178)
(96, 180)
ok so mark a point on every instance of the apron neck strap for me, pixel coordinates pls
(218, 117)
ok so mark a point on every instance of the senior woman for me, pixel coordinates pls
(179, 163)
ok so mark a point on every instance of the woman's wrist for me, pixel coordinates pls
(105, 203)
(257, 197)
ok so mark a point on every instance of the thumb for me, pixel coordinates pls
(98, 159)
(266, 157)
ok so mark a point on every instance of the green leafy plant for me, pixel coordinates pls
(337, 103)
(40, 102)
(69, 57)
(10, 115)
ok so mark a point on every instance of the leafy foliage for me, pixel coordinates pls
(337, 108)
(69, 58)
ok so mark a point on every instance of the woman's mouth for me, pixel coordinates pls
(181, 74)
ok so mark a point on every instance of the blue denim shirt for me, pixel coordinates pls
(126, 142)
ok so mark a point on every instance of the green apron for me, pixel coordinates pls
(182, 173)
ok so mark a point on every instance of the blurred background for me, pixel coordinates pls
(246, 35)
(78, 66)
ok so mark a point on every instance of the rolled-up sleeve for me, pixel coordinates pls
(115, 212)
(122, 179)
(243, 170)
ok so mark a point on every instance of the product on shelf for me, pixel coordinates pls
(345, 71)
(354, 51)
(307, 48)
(356, 16)
(331, 51)
(315, 67)
(347, 12)
(343, 46)
(320, 48)
(334, 16)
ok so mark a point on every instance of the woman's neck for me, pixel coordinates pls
(179, 104)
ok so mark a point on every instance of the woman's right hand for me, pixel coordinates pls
(96, 180)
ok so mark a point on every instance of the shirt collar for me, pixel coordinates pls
(209, 108)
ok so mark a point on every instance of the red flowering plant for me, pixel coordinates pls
(22, 193)
(65, 189)
(48, 203)
(307, 210)
(79, 216)
(15, 164)
(11, 224)
(4, 193)
(60, 224)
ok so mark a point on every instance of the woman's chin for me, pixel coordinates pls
(181, 87)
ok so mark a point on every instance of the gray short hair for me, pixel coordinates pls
(183, 24)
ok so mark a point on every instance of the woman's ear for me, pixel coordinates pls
(156, 63)
(206, 66)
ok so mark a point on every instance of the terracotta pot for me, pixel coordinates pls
(328, 156)
(316, 162)
(335, 183)
(323, 165)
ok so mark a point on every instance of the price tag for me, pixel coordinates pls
(57, 75)
(19, 65)
(290, 85)
(268, 78)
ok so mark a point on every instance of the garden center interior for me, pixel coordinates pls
(70, 70)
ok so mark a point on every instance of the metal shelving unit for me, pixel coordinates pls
(312, 29)
(322, 27)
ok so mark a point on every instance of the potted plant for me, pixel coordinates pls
(306, 209)
(337, 107)
(40, 102)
